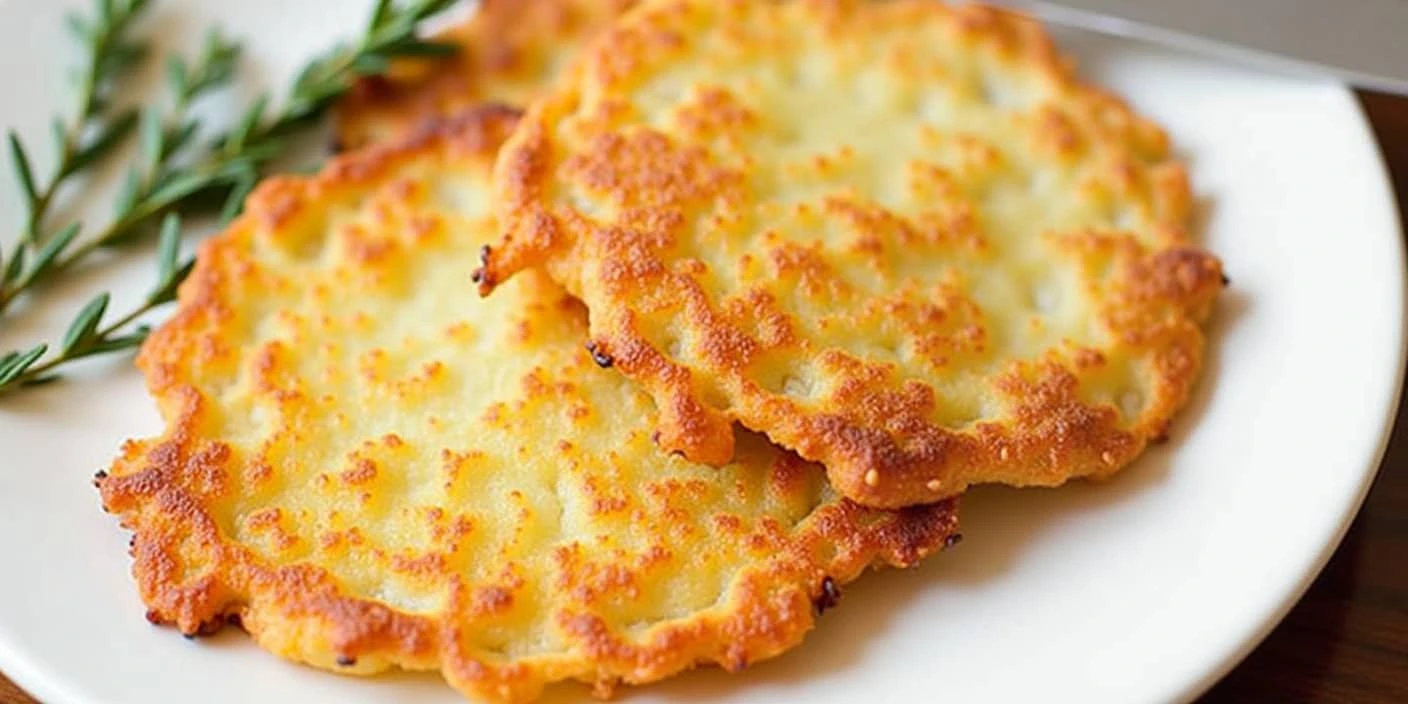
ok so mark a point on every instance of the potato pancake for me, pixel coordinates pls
(370, 467)
(509, 52)
(899, 237)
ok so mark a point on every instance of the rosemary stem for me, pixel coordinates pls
(124, 321)
(139, 215)
(39, 371)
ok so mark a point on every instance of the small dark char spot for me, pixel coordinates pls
(346, 660)
(602, 359)
(829, 597)
(1226, 281)
(98, 477)
(153, 618)
(189, 636)
(1160, 435)
(234, 620)
(481, 275)
(953, 540)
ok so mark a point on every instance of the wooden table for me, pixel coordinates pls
(1347, 640)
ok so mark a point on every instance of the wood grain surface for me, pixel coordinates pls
(1347, 640)
(10, 694)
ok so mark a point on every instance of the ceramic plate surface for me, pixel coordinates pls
(1144, 589)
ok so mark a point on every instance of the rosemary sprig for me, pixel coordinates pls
(91, 133)
(162, 139)
(168, 180)
(228, 170)
(87, 336)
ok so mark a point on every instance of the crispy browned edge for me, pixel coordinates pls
(491, 49)
(1161, 301)
(192, 576)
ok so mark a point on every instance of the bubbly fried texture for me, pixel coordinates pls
(509, 52)
(371, 467)
(900, 238)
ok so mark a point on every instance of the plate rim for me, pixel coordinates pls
(28, 675)
(1385, 184)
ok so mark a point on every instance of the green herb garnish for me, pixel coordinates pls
(177, 171)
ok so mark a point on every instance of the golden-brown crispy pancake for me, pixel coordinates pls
(898, 237)
(509, 51)
(372, 467)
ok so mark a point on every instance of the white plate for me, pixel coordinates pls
(1145, 589)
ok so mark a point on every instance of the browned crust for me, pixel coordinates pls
(877, 437)
(192, 576)
(507, 54)
(196, 577)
